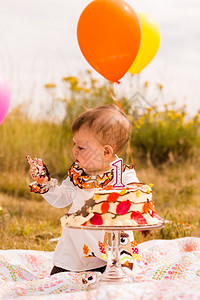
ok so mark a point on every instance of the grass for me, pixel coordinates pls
(165, 145)
(30, 223)
(162, 134)
(176, 196)
(26, 224)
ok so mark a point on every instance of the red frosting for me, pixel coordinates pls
(96, 220)
(123, 207)
(138, 217)
(113, 197)
(105, 207)
(154, 215)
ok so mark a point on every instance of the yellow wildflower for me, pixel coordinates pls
(50, 85)
(160, 86)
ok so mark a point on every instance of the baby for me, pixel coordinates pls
(99, 135)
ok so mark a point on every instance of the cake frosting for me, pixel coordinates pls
(109, 206)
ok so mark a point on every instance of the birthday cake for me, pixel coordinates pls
(110, 206)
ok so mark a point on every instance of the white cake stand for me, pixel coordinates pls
(114, 273)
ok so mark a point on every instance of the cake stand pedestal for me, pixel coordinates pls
(114, 273)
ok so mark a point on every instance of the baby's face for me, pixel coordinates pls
(88, 152)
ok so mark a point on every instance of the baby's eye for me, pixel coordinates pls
(123, 241)
(80, 148)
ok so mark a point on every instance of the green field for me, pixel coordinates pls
(165, 144)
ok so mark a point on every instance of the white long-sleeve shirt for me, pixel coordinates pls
(77, 249)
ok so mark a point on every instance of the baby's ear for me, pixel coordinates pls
(108, 151)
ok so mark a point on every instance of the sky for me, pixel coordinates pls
(38, 44)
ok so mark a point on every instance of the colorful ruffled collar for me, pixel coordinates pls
(83, 181)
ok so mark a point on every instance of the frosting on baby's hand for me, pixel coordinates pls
(41, 175)
(38, 170)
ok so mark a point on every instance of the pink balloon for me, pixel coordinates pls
(5, 96)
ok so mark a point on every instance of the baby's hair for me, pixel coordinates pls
(109, 124)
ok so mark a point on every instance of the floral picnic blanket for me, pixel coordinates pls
(167, 269)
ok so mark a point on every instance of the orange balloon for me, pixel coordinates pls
(109, 36)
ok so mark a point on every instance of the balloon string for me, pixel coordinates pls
(118, 103)
(131, 156)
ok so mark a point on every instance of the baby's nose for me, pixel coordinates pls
(75, 150)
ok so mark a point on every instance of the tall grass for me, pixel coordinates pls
(163, 133)
(32, 224)
(21, 136)
(165, 145)
(158, 136)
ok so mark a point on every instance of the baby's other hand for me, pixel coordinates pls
(38, 170)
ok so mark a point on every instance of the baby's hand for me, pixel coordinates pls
(38, 170)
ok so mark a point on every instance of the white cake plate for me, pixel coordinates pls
(114, 273)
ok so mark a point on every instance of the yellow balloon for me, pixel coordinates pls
(149, 44)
